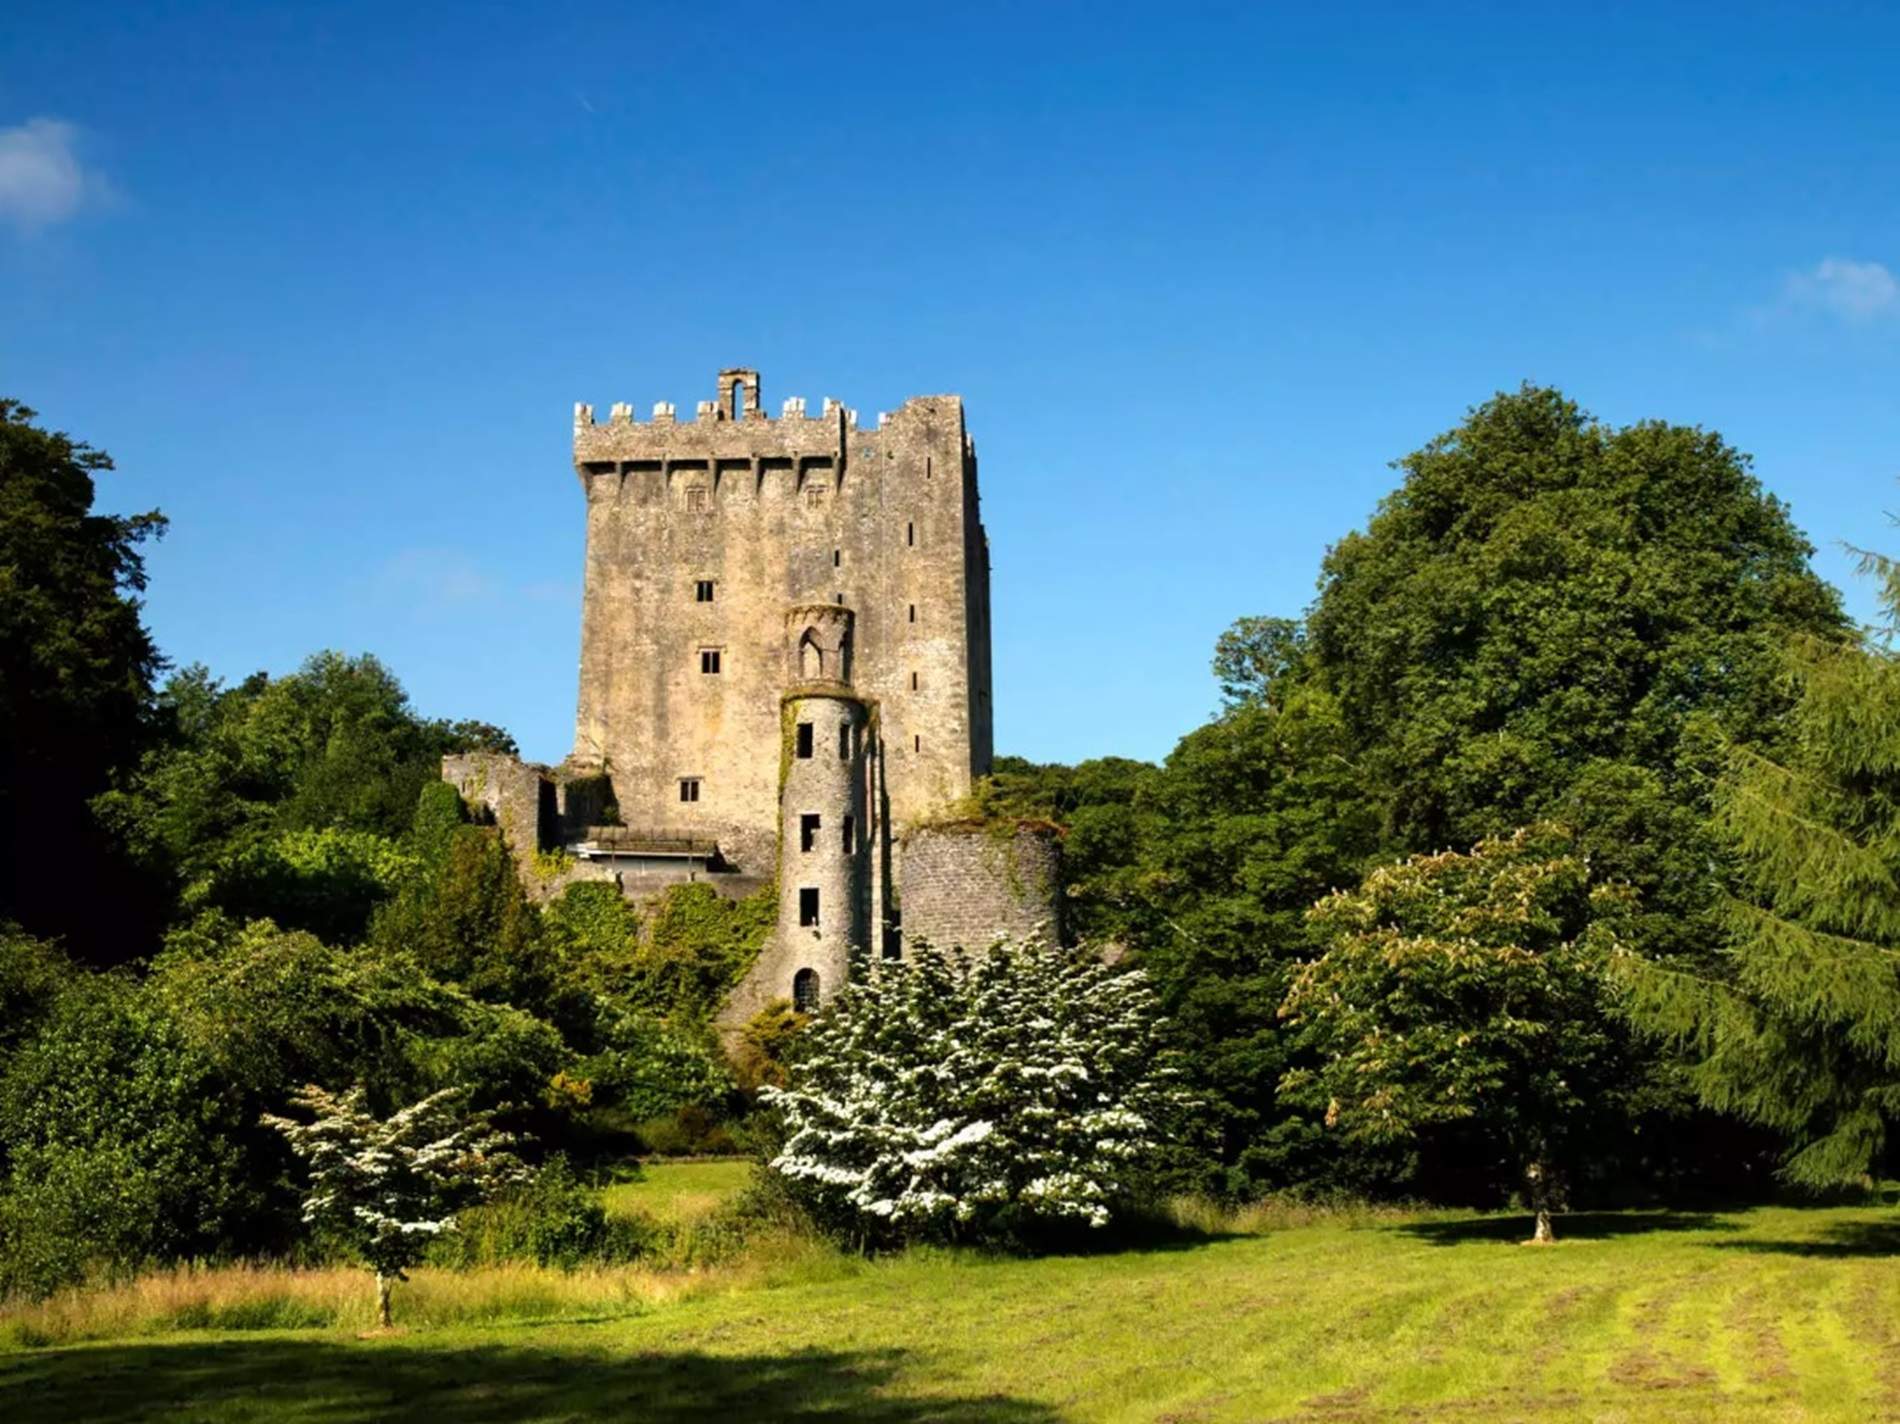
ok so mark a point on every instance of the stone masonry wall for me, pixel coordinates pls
(508, 792)
(968, 885)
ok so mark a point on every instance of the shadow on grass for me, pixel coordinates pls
(1578, 1226)
(406, 1381)
(1837, 1238)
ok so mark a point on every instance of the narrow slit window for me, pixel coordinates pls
(802, 747)
(837, 598)
(709, 660)
(703, 591)
(808, 907)
(837, 557)
(805, 989)
(917, 743)
(910, 533)
(849, 846)
(913, 682)
(689, 788)
(808, 826)
(913, 613)
(844, 741)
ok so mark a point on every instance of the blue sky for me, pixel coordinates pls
(327, 280)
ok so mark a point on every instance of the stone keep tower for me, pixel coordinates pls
(785, 668)
(701, 534)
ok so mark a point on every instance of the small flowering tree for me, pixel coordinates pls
(1466, 988)
(387, 1186)
(955, 1098)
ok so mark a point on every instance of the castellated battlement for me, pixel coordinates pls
(734, 426)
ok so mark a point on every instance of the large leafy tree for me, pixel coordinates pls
(1798, 1027)
(76, 670)
(1466, 988)
(1555, 617)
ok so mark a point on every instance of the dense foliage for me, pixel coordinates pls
(989, 1098)
(284, 798)
(76, 671)
(1552, 617)
(1460, 988)
(1798, 1026)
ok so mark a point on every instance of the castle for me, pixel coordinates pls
(784, 676)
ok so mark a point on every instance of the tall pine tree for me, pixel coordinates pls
(1803, 1031)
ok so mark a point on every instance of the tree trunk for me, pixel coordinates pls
(383, 1285)
(1537, 1178)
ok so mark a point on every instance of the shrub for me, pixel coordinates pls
(552, 1219)
(690, 1131)
(120, 1143)
(992, 1099)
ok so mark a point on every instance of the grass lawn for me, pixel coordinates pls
(1765, 1314)
(680, 1191)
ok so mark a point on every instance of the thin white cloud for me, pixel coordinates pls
(42, 180)
(1853, 291)
(424, 578)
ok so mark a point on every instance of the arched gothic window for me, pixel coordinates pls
(805, 991)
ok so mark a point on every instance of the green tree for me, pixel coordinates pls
(1105, 807)
(1256, 658)
(1458, 988)
(76, 670)
(32, 972)
(119, 1140)
(1552, 617)
(463, 915)
(285, 798)
(1798, 1026)
(1254, 817)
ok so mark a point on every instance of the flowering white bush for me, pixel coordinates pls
(949, 1097)
(387, 1187)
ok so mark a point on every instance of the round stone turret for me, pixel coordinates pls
(824, 885)
(968, 884)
